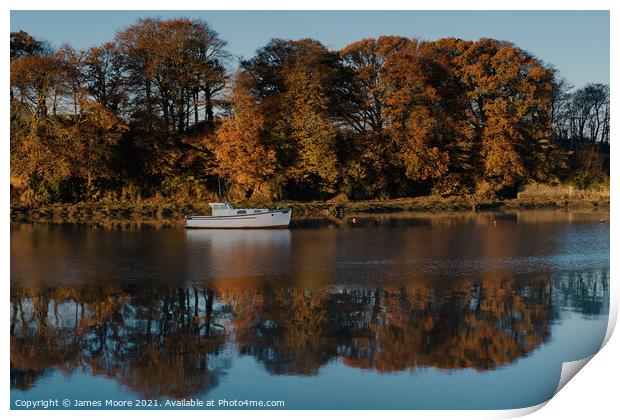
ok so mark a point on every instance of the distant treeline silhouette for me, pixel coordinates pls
(156, 113)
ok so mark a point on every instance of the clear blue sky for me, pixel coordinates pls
(574, 42)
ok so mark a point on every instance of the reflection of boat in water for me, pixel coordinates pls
(225, 253)
(233, 241)
(224, 216)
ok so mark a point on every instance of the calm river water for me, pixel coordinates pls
(446, 311)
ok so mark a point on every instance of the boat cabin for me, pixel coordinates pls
(226, 209)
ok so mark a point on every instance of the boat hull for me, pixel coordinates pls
(272, 219)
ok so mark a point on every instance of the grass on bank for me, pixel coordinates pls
(171, 213)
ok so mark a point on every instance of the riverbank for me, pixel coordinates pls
(171, 214)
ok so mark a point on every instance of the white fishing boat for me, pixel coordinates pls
(224, 216)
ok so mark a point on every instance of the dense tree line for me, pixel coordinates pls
(155, 113)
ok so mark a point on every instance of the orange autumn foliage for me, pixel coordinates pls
(242, 157)
(383, 117)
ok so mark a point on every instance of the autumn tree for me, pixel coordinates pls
(370, 152)
(418, 113)
(174, 69)
(172, 72)
(36, 167)
(36, 82)
(72, 77)
(509, 109)
(23, 44)
(308, 97)
(103, 77)
(243, 157)
(64, 159)
(295, 83)
(62, 143)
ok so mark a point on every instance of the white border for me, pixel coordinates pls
(313, 5)
(592, 395)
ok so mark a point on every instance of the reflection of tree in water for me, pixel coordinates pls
(587, 293)
(466, 324)
(479, 327)
(168, 342)
(288, 330)
(25, 379)
(158, 342)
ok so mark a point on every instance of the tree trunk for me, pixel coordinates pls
(149, 108)
(209, 110)
(196, 107)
